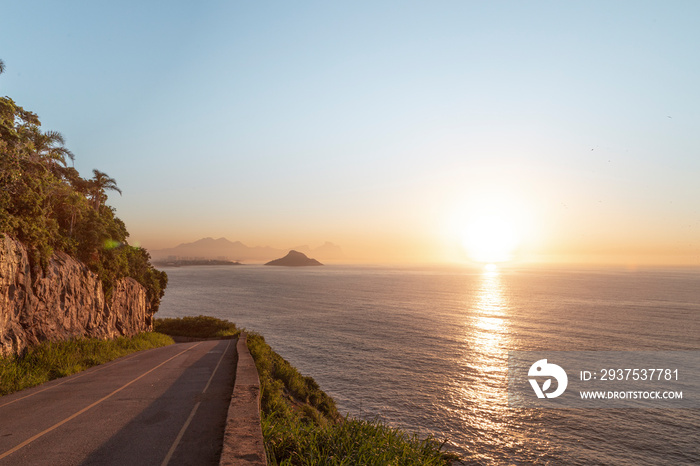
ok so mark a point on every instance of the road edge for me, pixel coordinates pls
(243, 440)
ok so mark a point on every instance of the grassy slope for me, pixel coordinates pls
(51, 360)
(301, 425)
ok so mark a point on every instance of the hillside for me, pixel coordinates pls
(50, 208)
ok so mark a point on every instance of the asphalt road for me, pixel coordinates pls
(155, 407)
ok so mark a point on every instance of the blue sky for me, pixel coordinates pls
(375, 124)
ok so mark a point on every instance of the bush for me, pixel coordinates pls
(196, 327)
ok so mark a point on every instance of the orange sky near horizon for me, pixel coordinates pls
(566, 229)
(405, 132)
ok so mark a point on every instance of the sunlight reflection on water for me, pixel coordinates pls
(426, 349)
(486, 334)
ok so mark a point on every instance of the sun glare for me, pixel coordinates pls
(491, 268)
(492, 224)
(491, 238)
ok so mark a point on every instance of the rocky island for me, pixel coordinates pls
(294, 259)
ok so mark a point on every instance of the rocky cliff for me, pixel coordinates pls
(66, 300)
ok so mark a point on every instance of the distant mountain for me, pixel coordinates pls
(223, 249)
(328, 251)
(294, 259)
(220, 249)
(191, 262)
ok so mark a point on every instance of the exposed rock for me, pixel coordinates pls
(64, 301)
(294, 259)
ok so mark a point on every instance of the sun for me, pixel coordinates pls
(492, 225)
(491, 237)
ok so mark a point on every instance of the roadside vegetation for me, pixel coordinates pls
(51, 360)
(301, 424)
(49, 207)
(196, 327)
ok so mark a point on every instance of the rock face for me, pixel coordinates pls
(63, 302)
(294, 259)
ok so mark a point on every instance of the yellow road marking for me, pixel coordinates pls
(69, 418)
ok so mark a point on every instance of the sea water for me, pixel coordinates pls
(426, 349)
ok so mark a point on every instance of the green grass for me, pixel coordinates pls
(291, 441)
(301, 425)
(51, 360)
(283, 387)
(196, 327)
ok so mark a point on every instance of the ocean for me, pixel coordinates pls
(426, 349)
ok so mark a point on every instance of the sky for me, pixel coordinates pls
(406, 131)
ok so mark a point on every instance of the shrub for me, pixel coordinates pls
(196, 327)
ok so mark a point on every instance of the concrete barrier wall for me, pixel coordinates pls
(243, 440)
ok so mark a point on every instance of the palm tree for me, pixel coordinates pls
(99, 183)
(50, 146)
(2, 67)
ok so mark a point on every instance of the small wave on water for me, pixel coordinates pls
(427, 349)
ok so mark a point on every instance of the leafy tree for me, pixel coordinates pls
(49, 146)
(49, 207)
(15, 123)
(97, 186)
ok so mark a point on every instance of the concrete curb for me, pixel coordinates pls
(243, 440)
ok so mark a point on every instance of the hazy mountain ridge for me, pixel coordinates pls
(223, 249)
(327, 251)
